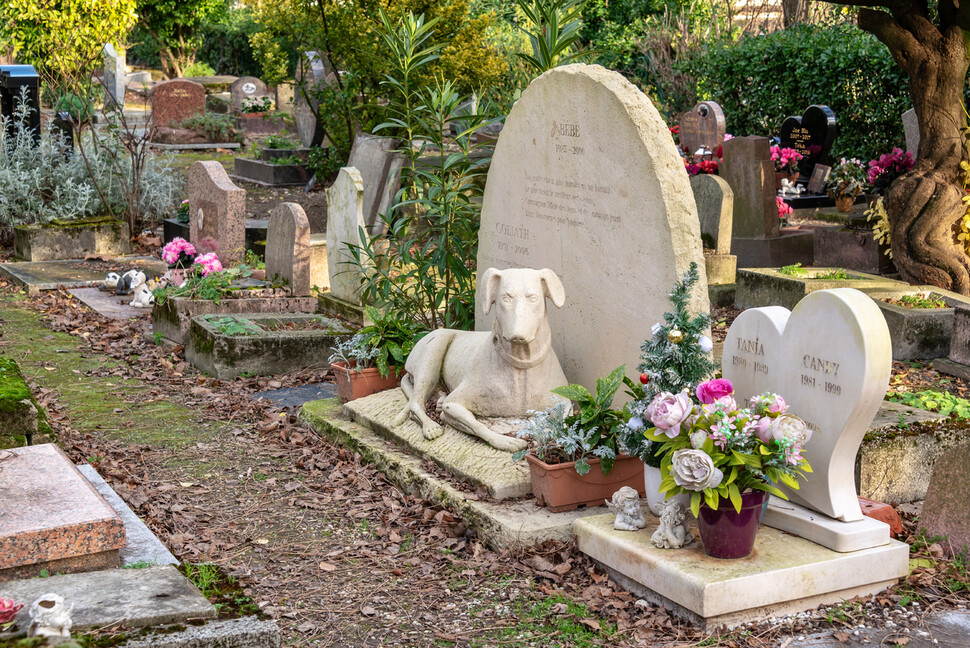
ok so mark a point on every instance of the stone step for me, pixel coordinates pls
(247, 632)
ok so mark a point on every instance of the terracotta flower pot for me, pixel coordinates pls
(353, 384)
(560, 488)
(844, 203)
(726, 533)
(781, 175)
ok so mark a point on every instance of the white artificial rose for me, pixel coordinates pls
(792, 428)
(705, 343)
(694, 470)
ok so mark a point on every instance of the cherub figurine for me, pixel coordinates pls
(50, 617)
(789, 188)
(626, 505)
(672, 533)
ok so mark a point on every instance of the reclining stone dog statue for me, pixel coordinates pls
(505, 372)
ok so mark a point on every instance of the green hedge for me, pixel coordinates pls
(760, 80)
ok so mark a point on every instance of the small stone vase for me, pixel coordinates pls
(725, 533)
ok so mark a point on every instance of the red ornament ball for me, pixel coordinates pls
(644, 378)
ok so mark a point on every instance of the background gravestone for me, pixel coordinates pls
(748, 169)
(114, 74)
(217, 212)
(945, 511)
(15, 79)
(586, 180)
(246, 87)
(702, 129)
(345, 217)
(835, 381)
(173, 101)
(715, 210)
(310, 74)
(811, 135)
(379, 165)
(288, 248)
(911, 128)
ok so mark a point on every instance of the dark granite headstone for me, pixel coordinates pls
(62, 128)
(310, 74)
(15, 79)
(811, 135)
(945, 511)
(702, 129)
(175, 100)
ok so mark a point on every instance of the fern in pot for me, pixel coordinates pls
(574, 455)
(373, 359)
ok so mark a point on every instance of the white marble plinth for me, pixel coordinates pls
(784, 574)
(821, 529)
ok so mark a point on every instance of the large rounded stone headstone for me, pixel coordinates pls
(586, 180)
(310, 73)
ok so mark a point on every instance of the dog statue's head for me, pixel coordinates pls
(518, 295)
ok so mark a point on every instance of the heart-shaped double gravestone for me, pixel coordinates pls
(811, 135)
(830, 359)
(702, 129)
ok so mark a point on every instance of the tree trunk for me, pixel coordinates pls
(925, 204)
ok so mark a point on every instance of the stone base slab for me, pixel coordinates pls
(793, 246)
(129, 597)
(501, 525)
(36, 276)
(951, 368)
(50, 512)
(336, 307)
(460, 454)
(721, 269)
(72, 565)
(836, 535)
(247, 632)
(783, 575)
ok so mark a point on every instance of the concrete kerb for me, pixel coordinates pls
(500, 525)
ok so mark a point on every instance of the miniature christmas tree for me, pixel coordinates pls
(677, 357)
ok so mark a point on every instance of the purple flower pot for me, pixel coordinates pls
(726, 533)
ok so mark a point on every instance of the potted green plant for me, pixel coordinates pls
(373, 359)
(845, 183)
(574, 456)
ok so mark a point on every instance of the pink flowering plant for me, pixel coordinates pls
(888, 167)
(208, 263)
(786, 159)
(784, 209)
(714, 448)
(178, 252)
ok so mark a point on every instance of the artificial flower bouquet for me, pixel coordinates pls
(786, 159)
(715, 449)
(848, 178)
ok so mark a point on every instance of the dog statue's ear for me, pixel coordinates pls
(552, 287)
(490, 280)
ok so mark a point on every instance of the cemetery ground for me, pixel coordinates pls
(338, 555)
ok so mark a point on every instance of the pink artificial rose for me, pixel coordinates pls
(667, 412)
(778, 406)
(762, 429)
(8, 610)
(726, 403)
(209, 263)
(710, 391)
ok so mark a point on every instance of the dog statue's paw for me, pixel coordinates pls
(432, 430)
(507, 443)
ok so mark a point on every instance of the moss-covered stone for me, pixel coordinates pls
(22, 421)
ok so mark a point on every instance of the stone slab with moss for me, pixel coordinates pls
(758, 287)
(329, 304)
(852, 249)
(784, 574)
(792, 246)
(270, 174)
(22, 420)
(922, 332)
(73, 239)
(227, 346)
(36, 276)
(172, 318)
(501, 525)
